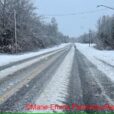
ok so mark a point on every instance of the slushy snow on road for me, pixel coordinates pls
(56, 91)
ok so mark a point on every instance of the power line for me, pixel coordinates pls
(73, 14)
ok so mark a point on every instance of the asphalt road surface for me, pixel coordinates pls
(61, 77)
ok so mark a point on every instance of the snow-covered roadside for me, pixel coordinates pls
(6, 59)
(104, 60)
(11, 70)
(56, 91)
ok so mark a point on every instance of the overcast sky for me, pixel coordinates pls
(80, 23)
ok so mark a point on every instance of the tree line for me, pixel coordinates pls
(104, 36)
(31, 33)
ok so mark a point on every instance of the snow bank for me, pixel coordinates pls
(104, 60)
(6, 59)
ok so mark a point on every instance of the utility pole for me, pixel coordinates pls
(15, 22)
(89, 38)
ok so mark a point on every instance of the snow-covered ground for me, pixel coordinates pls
(6, 59)
(11, 70)
(56, 91)
(104, 60)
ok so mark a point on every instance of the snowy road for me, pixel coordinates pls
(62, 77)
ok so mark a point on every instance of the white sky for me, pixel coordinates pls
(78, 24)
